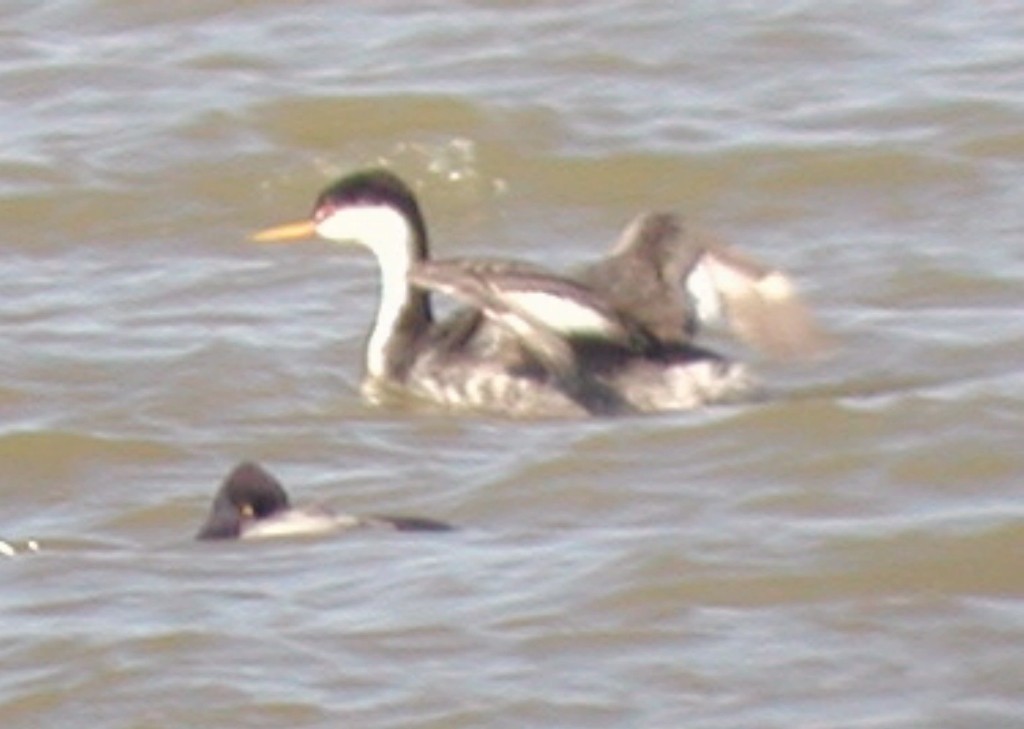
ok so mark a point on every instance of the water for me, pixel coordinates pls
(845, 554)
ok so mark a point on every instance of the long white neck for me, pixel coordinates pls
(402, 312)
(395, 297)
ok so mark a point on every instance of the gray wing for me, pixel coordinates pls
(672, 279)
(644, 277)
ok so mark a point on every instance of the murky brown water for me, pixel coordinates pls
(847, 554)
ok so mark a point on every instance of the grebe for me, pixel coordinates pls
(251, 504)
(615, 339)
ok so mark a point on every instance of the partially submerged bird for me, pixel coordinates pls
(615, 339)
(251, 503)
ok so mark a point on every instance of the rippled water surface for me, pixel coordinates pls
(847, 553)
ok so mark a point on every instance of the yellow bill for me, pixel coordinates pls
(287, 232)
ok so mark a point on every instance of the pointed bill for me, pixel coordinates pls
(286, 233)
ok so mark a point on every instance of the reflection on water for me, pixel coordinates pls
(844, 553)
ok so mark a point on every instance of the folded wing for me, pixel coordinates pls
(547, 313)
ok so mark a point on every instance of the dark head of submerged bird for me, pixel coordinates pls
(251, 503)
(247, 495)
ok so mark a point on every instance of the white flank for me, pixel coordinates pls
(296, 523)
(386, 232)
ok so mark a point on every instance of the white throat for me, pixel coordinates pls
(386, 232)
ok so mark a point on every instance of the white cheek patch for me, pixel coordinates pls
(560, 313)
(380, 228)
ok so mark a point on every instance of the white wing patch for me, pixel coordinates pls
(562, 313)
(761, 307)
(701, 285)
(776, 286)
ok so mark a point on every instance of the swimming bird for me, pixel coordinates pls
(615, 339)
(251, 503)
